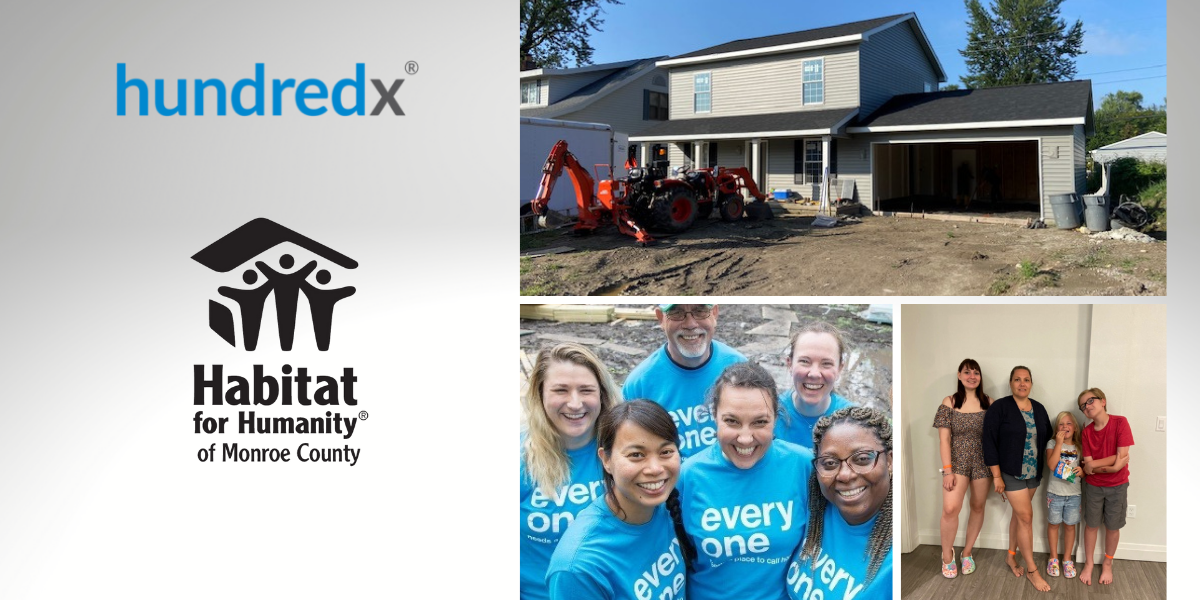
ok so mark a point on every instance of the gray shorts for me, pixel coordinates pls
(1012, 484)
(1107, 504)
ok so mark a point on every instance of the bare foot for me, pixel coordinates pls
(1038, 583)
(1086, 574)
(1012, 564)
(1106, 573)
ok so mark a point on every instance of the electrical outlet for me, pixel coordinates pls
(1161, 425)
(1131, 512)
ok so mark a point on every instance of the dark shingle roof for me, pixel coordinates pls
(797, 37)
(597, 89)
(1068, 99)
(749, 124)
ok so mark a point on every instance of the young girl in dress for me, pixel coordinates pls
(1063, 494)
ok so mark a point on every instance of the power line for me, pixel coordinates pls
(1123, 70)
(1123, 80)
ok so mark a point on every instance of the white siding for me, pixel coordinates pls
(767, 84)
(893, 63)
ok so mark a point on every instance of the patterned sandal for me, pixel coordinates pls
(1052, 567)
(1068, 569)
(968, 563)
(949, 570)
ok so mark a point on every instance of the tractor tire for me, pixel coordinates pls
(732, 207)
(703, 210)
(675, 210)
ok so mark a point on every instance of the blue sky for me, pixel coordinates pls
(1126, 42)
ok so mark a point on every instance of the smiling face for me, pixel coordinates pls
(1021, 383)
(816, 363)
(571, 398)
(1066, 426)
(1097, 406)
(689, 341)
(970, 378)
(856, 496)
(745, 424)
(644, 469)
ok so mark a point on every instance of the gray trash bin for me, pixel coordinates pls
(1096, 212)
(1067, 209)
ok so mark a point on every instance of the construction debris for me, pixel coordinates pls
(583, 313)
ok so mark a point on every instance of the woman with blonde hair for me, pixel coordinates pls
(561, 473)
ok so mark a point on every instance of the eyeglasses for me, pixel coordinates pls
(1087, 403)
(679, 314)
(860, 462)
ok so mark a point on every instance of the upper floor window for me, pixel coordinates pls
(814, 81)
(702, 87)
(531, 92)
(656, 108)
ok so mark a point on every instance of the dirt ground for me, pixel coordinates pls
(786, 256)
(759, 331)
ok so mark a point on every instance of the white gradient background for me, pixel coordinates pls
(104, 313)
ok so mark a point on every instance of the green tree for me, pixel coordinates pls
(1121, 116)
(1018, 42)
(553, 31)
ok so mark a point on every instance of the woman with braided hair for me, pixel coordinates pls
(744, 504)
(850, 521)
(629, 543)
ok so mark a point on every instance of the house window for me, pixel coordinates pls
(812, 161)
(702, 87)
(531, 92)
(655, 106)
(814, 81)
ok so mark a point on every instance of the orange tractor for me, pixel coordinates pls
(647, 197)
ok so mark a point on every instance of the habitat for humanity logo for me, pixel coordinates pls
(247, 243)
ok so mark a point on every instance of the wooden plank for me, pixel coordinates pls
(545, 251)
(555, 337)
(642, 314)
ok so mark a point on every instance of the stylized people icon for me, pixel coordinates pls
(287, 293)
(320, 304)
(251, 303)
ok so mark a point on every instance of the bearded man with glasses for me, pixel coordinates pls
(679, 373)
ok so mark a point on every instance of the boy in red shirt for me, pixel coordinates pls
(1106, 443)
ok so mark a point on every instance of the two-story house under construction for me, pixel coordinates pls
(858, 102)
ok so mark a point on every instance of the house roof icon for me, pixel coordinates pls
(258, 236)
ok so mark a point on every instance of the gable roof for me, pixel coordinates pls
(1063, 103)
(550, 71)
(791, 124)
(846, 33)
(1150, 146)
(595, 90)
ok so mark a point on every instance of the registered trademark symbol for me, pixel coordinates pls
(411, 67)
(362, 415)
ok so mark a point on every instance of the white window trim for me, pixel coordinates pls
(710, 93)
(819, 161)
(537, 84)
(802, 82)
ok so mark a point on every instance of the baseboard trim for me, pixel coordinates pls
(1125, 551)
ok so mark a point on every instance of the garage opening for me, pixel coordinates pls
(975, 177)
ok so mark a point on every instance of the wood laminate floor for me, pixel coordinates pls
(921, 579)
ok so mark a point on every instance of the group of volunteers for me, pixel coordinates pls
(1010, 443)
(698, 478)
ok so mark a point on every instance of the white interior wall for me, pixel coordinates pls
(1068, 348)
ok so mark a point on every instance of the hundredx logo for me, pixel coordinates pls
(250, 242)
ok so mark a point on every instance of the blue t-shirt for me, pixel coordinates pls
(544, 518)
(681, 391)
(744, 523)
(798, 428)
(841, 569)
(603, 557)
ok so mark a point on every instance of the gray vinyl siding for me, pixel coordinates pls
(781, 166)
(852, 165)
(767, 84)
(1080, 160)
(893, 63)
(622, 109)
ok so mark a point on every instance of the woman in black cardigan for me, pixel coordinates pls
(1015, 429)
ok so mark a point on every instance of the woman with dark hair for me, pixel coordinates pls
(1015, 429)
(629, 543)
(743, 498)
(960, 426)
(850, 517)
(569, 390)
